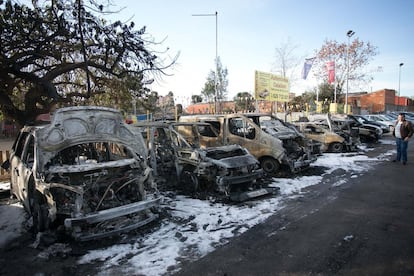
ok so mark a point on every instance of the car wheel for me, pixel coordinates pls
(189, 180)
(336, 147)
(39, 215)
(270, 165)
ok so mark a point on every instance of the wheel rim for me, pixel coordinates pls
(190, 181)
(336, 147)
(270, 166)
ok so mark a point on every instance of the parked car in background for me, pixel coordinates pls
(84, 171)
(366, 132)
(359, 132)
(408, 115)
(330, 140)
(365, 121)
(380, 118)
(176, 153)
(336, 135)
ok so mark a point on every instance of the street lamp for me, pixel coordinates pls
(349, 34)
(399, 79)
(216, 73)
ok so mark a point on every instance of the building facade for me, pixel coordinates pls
(381, 101)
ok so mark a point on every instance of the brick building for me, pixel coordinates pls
(209, 108)
(229, 107)
(380, 101)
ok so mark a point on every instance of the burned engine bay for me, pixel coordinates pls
(92, 177)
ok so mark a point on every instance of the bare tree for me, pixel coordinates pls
(360, 54)
(286, 62)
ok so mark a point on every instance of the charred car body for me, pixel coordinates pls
(367, 132)
(239, 129)
(346, 129)
(363, 120)
(298, 147)
(230, 170)
(364, 132)
(85, 171)
(331, 140)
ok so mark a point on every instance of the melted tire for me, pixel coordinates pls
(336, 147)
(270, 166)
(39, 216)
(189, 181)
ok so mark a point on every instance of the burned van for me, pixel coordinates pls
(241, 130)
(84, 171)
(298, 148)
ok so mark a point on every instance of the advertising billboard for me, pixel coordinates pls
(271, 87)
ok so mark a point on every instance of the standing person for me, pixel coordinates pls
(403, 130)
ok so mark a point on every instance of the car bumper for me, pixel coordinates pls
(302, 163)
(79, 226)
(232, 180)
(243, 196)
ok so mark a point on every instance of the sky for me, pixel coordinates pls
(195, 227)
(248, 32)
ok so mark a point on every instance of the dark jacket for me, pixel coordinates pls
(406, 129)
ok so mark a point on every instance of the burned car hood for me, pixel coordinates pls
(281, 132)
(231, 156)
(74, 125)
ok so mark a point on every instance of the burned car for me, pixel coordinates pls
(361, 119)
(327, 130)
(330, 140)
(85, 172)
(175, 150)
(369, 131)
(299, 148)
(364, 133)
(238, 129)
(352, 127)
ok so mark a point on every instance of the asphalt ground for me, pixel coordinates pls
(365, 227)
(362, 227)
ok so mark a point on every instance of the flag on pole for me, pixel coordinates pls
(330, 66)
(306, 67)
